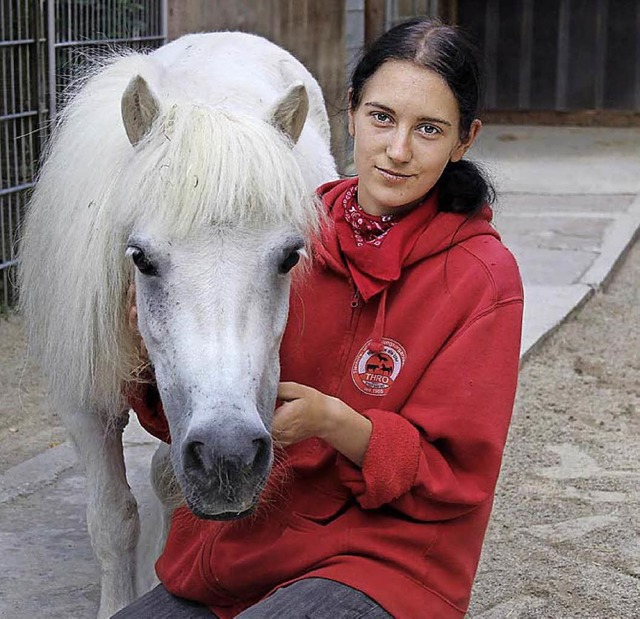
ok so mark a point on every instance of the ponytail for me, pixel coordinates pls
(464, 188)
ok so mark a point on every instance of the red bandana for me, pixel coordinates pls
(366, 228)
(374, 266)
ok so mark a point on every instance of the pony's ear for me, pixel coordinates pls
(290, 111)
(139, 108)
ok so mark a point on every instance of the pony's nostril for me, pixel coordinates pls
(195, 455)
(262, 452)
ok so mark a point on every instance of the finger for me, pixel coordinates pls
(279, 433)
(132, 308)
(280, 413)
(133, 319)
(131, 295)
(282, 417)
(288, 391)
(144, 353)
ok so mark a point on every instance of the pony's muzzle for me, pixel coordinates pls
(227, 470)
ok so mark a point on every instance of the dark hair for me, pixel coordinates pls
(447, 51)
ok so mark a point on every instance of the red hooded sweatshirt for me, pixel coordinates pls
(427, 348)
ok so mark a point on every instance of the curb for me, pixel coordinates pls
(619, 238)
(45, 468)
(29, 476)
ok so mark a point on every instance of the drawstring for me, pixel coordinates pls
(378, 328)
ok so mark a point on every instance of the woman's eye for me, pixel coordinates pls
(289, 262)
(429, 130)
(143, 264)
(381, 117)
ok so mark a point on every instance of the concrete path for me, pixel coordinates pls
(569, 207)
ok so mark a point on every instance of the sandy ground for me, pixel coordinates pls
(563, 542)
(28, 425)
(564, 537)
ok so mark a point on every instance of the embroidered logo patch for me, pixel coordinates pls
(374, 372)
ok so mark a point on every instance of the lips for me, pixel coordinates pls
(392, 175)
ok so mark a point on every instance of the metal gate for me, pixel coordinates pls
(43, 43)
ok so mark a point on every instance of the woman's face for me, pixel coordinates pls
(405, 130)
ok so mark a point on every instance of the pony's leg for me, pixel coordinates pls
(155, 529)
(112, 511)
(166, 488)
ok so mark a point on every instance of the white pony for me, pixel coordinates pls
(195, 164)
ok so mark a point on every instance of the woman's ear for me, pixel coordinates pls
(352, 129)
(460, 150)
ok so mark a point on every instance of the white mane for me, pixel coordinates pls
(199, 166)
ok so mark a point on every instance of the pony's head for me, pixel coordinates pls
(220, 216)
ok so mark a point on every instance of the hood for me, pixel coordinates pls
(422, 233)
(439, 232)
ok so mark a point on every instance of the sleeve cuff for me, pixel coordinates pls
(145, 401)
(390, 464)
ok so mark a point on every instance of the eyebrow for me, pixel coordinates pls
(391, 111)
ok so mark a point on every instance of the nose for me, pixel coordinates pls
(399, 147)
(206, 453)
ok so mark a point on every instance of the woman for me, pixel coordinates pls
(399, 364)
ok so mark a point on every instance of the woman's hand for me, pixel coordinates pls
(132, 320)
(308, 413)
(132, 310)
(304, 414)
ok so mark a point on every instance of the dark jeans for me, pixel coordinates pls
(312, 598)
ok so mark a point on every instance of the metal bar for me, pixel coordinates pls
(20, 58)
(3, 234)
(106, 41)
(562, 74)
(39, 75)
(51, 55)
(164, 20)
(16, 163)
(69, 22)
(121, 26)
(4, 172)
(10, 20)
(9, 263)
(19, 19)
(601, 52)
(16, 189)
(12, 80)
(8, 251)
(74, 21)
(16, 42)
(5, 279)
(35, 73)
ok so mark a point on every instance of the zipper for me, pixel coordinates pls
(349, 336)
(355, 300)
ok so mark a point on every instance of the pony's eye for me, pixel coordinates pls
(290, 261)
(143, 264)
